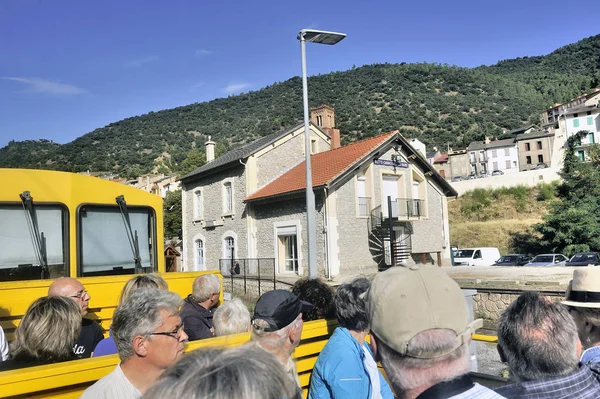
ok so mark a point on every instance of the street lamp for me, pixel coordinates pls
(322, 37)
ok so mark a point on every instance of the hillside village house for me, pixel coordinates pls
(250, 204)
(478, 160)
(502, 155)
(458, 164)
(535, 149)
(441, 165)
(584, 117)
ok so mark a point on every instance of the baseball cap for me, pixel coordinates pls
(405, 301)
(279, 308)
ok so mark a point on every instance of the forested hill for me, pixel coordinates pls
(438, 104)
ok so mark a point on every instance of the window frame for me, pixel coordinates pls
(65, 230)
(198, 204)
(79, 239)
(224, 210)
(539, 145)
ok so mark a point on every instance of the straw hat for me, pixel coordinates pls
(584, 289)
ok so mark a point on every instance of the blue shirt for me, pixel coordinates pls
(591, 356)
(340, 371)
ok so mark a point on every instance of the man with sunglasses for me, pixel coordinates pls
(149, 335)
(91, 332)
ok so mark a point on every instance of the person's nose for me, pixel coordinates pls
(183, 336)
(87, 297)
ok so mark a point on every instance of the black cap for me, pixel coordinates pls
(279, 308)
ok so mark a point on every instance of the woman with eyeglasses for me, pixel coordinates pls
(47, 333)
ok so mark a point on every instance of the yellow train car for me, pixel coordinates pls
(55, 224)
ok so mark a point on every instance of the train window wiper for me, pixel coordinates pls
(132, 235)
(37, 238)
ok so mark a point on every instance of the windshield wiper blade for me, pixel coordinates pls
(37, 239)
(132, 235)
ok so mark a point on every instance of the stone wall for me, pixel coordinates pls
(251, 290)
(490, 306)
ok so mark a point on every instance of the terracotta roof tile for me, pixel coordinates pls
(326, 166)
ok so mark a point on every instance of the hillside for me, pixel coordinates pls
(498, 218)
(439, 104)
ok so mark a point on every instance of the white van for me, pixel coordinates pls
(476, 256)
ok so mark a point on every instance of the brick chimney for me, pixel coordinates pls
(324, 117)
(209, 147)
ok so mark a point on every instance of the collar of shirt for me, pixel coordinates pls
(591, 355)
(448, 389)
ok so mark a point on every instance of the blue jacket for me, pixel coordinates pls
(340, 371)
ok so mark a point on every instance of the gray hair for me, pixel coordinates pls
(151, 280)
(205, 285)
(350, 308)
(538, 338)
(48, 330)
(231, 318)
(407, 373)
(272, 339)
(242, 372)
(140, 315)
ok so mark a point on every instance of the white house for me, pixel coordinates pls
(502, 155)
(583, 118)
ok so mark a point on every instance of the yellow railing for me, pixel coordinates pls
(70, 379)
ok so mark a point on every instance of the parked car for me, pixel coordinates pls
(497, 173)
(483, 174)
(457, 178)
(512, 260)
(476, 256)
(472, 176)
(548, 260)
(541, 165)
(584, 259)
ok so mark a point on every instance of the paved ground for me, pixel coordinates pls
(488, 360)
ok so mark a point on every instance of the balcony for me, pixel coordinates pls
(407, 208)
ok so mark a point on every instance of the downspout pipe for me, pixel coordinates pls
(326, 238)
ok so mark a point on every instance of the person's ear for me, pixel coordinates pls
(140, 346)
(501, 353)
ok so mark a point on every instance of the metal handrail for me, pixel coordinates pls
(254, 269)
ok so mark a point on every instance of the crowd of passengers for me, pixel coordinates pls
(416, 318)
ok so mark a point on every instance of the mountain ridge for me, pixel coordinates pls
(440, 105)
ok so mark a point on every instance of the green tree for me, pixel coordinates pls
(172, 214)
(573, 224)
(195, 159)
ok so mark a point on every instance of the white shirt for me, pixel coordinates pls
(112, 386)
(3, 346)
(373, 373)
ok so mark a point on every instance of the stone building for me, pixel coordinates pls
(250, 204)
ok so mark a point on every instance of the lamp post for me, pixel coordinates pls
(322, 37)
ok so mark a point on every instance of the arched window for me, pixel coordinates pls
(199, 255)
(229, 248)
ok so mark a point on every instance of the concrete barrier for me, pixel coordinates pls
(530, 178)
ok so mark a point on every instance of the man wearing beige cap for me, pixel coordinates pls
(583, 302)
(420, 329)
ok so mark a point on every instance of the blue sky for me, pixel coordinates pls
(68, 67)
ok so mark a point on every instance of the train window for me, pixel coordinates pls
(107, 245)
(33, 244)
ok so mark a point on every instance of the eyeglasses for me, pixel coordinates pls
(79, 295)
(176, 333)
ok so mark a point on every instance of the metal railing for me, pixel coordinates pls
(246, 273)
(363, 206)
(407, 208)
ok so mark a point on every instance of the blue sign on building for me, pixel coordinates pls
(386, 162)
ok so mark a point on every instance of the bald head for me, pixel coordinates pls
(70, 287)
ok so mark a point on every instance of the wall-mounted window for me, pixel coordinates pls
(228, 197)
(539, 145)
(314, 146)
(581, 155)
(527, 147)
(507, 164)
(590, 121)
(591, 137)
(495, 166)
(528, 160)
(575, 122)
(494, 154)
(507, 152)
(198, 205)
(540, 159)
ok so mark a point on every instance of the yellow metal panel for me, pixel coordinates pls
(484, 338)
